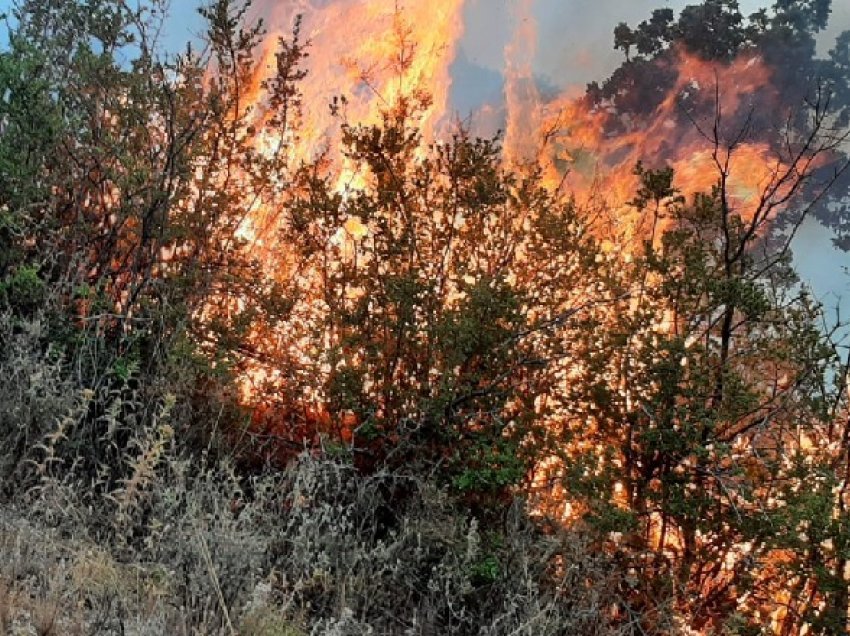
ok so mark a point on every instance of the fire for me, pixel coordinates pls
(371, 55)
(402, 53)
(404, 50)
(592, 147)
(522, 98)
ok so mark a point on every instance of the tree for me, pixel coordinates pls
(416, 301)
(716, 32)
(127, 179)
(700, 403)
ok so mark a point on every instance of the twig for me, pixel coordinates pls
(211, 569)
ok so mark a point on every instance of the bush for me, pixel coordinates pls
(359, 563)
(38, 403)
(183, 546)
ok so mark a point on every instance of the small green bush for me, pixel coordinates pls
(23, 291)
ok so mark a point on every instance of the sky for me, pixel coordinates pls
(576, 47)
(577, 35)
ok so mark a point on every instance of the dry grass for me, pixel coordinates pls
(118, 529)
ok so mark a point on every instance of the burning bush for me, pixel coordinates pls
(367, 375)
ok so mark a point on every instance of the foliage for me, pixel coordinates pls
(414, 309)
(716, 31)
(697, 395)
(397, 387)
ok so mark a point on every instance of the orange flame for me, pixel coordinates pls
(691, 130)
(371, 54)
(521, 95)
(376, 55)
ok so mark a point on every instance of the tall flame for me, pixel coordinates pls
(370, 54)
(594, 145)
(522, 98)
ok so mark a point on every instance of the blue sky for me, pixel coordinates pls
(183, 23)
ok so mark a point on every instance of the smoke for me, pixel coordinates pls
(574, 40)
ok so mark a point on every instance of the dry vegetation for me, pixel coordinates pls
(445, 397)
(184, 547)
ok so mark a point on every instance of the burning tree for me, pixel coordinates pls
(693, 424)
(613, 331)
(767, 66)
(656, 361)
(418, 299)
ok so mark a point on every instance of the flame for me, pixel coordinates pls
(522, 99)
(380, 55)
(369, 54)
(404, 50)
(585, 149)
